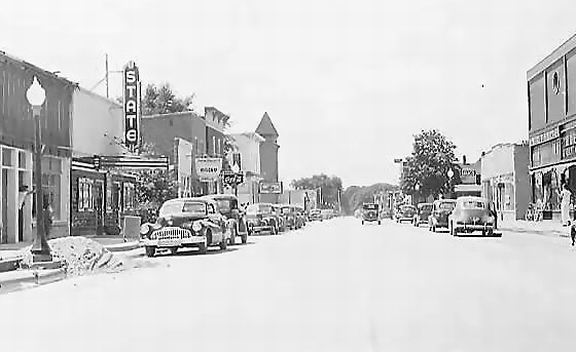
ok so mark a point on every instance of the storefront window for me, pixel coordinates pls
(128, 196)
(51, 185)
(85, 192)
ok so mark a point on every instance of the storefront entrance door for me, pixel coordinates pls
(4, 230)
(99, 205)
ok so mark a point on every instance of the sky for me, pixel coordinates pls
(346, 83)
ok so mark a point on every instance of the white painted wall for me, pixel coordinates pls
(249, 148)
(96, 123)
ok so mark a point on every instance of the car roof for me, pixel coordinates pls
(423, 204)
(472, 198)
(220, 197)
(190, 199)
(438, 201)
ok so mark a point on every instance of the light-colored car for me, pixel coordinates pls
(406, 212)
(186, 222)
(471, 214)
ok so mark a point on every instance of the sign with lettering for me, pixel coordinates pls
(468, 175)
(131, 106)
(208, 169)
(545, 137)
(233, 178)
(267, 187)
(569, 144)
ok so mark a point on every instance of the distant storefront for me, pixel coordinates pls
(469, 179)
(505, 179)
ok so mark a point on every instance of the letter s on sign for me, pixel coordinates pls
(130, 76)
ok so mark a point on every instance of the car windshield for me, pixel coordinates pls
(259, 208)
(426, 207)
(446, 206)
(286, 210)
(370, 206)
(407, 208)
(183, 207)
(473, 204)
(225, 205)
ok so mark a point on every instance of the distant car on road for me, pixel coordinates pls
(315, 215)
(327, 214)
(261, 217)
(370, 213)
(406, 213)
(440, 210)
(471, 214)
(424, 211)
(185, 222)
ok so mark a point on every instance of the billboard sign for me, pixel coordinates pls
(131, 106)
(233, 178)
(267, 187)
(208, 169)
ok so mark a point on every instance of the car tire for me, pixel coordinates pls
(245, 238)
(453, 231)
(362, 222)
(233, 236)
(223, 244)
(150, 251)
(173, 250)
(202, 248)
(433, 228)
(379, 222)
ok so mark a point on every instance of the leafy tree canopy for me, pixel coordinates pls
(162, 100)
(354, 196)
(427, 167)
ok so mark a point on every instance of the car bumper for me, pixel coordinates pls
(181, 242)
(474, 227)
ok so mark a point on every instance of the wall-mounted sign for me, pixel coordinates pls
(267, 187)
(468, 175)
(569, 144)
(208, 169)
(131, 106)
(233, 178)
(544, 137)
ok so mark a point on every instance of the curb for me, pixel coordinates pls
(549, 233)
(21, 279)
(123, 247)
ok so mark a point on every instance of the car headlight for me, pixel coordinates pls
(144, 229)
(153, 236)
(196, 226)
(170, 222)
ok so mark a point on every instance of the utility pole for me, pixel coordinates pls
(107, 81)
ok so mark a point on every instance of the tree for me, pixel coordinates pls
(354, 196)
(162, 100)
(427, 167)
(330, 187)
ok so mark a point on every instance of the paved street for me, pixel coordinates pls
(333, 286)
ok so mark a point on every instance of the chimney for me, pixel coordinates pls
(464, 159)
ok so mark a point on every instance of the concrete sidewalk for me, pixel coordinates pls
(544, 228)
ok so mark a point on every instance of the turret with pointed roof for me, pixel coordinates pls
(266, 128)
(268, 153)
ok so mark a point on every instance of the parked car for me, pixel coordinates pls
(386, 213)
(471, 214)
(185, 222)
(424, 211)
(228, 206)
(316, 215)
(370, 213)
(406, 212)
(289, 215)
(280, 219)
(261, 217)
(301, 217)
(327, 214)
(439, 216)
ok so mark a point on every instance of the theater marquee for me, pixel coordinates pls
(131, 106)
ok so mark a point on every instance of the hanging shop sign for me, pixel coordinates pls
(545, 137)
(233, 178)
(208, 169)
(569, 144)
(131, 106)
(267, 187)
(468, 175)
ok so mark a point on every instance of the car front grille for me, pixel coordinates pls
(172, 233)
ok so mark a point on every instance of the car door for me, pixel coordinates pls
(214, 218)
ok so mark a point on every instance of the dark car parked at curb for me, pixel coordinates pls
(370, 213)
(440, 210)
(315, 215)
(289, 216)
(471, 214)
(406, 213)
(261, 217)
(228, 206)
(185, 222)
(424, 211)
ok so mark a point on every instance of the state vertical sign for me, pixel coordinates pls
(131, 106)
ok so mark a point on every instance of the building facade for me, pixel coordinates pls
(17, 126)
(552, 126)
(268, 155)
(216, 122)
(182, 137)
(469, 176)
(101, 193)
(505, 179)
(248, 146)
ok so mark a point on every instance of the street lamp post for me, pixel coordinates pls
(36, 96)
(450, 174)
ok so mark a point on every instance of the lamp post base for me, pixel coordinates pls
(41, 250)
(41, 257)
